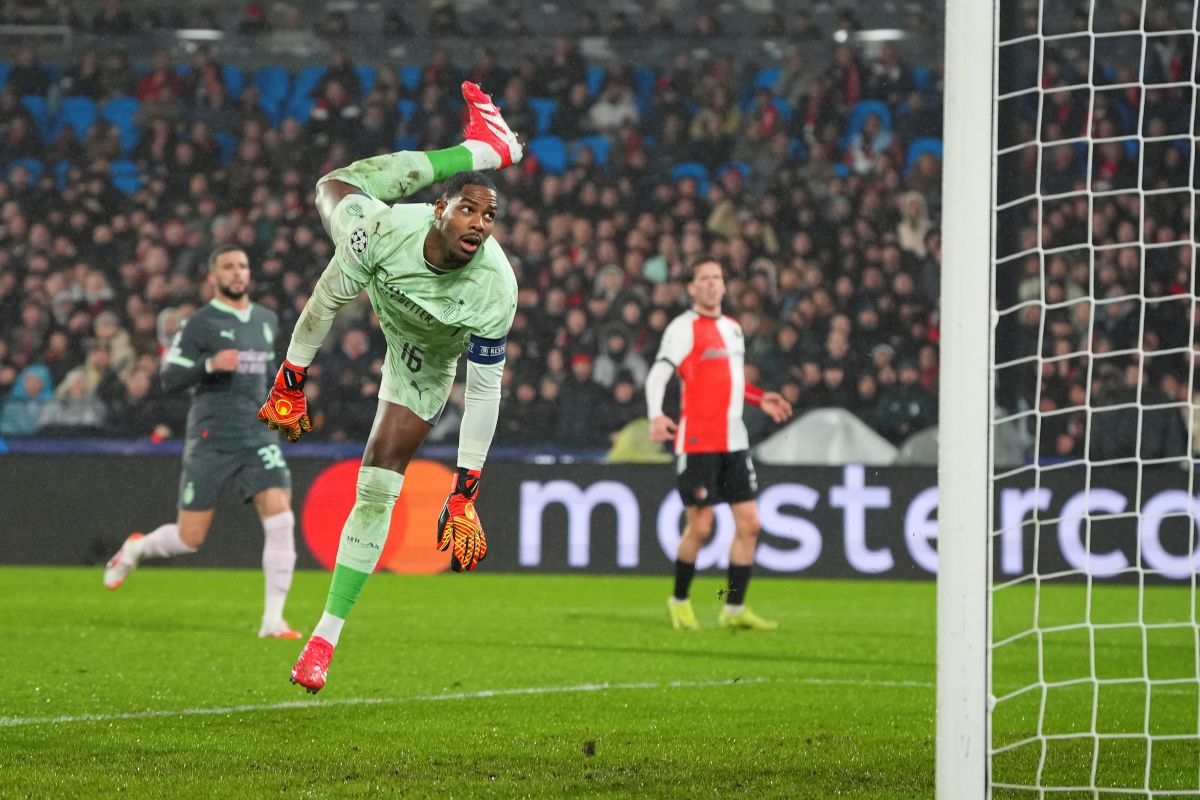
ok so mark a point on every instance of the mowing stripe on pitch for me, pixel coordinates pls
(12, 722)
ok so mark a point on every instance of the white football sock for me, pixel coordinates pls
(278, 562)
(162, 542)
(733, 611)
(329, 628)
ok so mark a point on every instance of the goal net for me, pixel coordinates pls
(1069, 650)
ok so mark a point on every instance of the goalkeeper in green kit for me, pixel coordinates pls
(441, 286)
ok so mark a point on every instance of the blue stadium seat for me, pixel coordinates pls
(784, 107)
(922, 79)
(120, 111)
(235, 79)
(599, 145)
(227, 145)
(272, 84)
(410, 76)
(694, 170)
(78, 112)
(644, 81)
(5, 68)
(40, 111)
(841, 170)
(863, 109)
(920, 147)
(306, 80)
(299, 108)
(689, 169)
(551, 153)
(595, 80)
(767, 77)
(273, 108)
(367, 75)
(407, 143)
(33, 165)
(797, 151)
(406, 108)
(543, 112)
(125, 176)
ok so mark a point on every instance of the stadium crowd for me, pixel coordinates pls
(817, 184)
(1109, 301)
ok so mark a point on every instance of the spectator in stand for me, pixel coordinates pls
(563, 69)
(615, 107)
(868, 145)
(340, 70)
(618, 359)
(580, 398)
(27, 75)
(116, 76)
(254, 19)
(161, 76)
(23, 407)
(75, 409)
(83, 77)
(112, 18)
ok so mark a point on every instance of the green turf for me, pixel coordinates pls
(837, 703)
(810, 710)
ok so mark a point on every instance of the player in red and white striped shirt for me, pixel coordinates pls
(708, 351)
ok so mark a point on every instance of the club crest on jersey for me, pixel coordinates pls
(451, 308)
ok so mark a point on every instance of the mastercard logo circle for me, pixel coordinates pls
(411, 545)
(283, 407)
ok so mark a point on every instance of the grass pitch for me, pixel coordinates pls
(570, 686)
(464, 686)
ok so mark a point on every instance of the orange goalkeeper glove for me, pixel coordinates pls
(459, 528)
(286, 409)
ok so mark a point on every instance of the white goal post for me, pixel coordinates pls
(965, 402)
(1068, 645)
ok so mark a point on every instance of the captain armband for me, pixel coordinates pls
(486, 351)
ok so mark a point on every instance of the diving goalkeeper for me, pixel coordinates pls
(441, 286)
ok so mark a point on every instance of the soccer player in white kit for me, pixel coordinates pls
(713, 463)
(441, 286)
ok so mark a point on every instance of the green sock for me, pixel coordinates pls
(344, 590)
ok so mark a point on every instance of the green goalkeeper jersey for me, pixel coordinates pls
(428, 316)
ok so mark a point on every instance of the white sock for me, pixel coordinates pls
(482, 155)
(278, 562)
(162, 542)
(329, 628)
(733, 611)
(675, 601)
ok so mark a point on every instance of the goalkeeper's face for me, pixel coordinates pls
(231, 275)
(465, 222)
